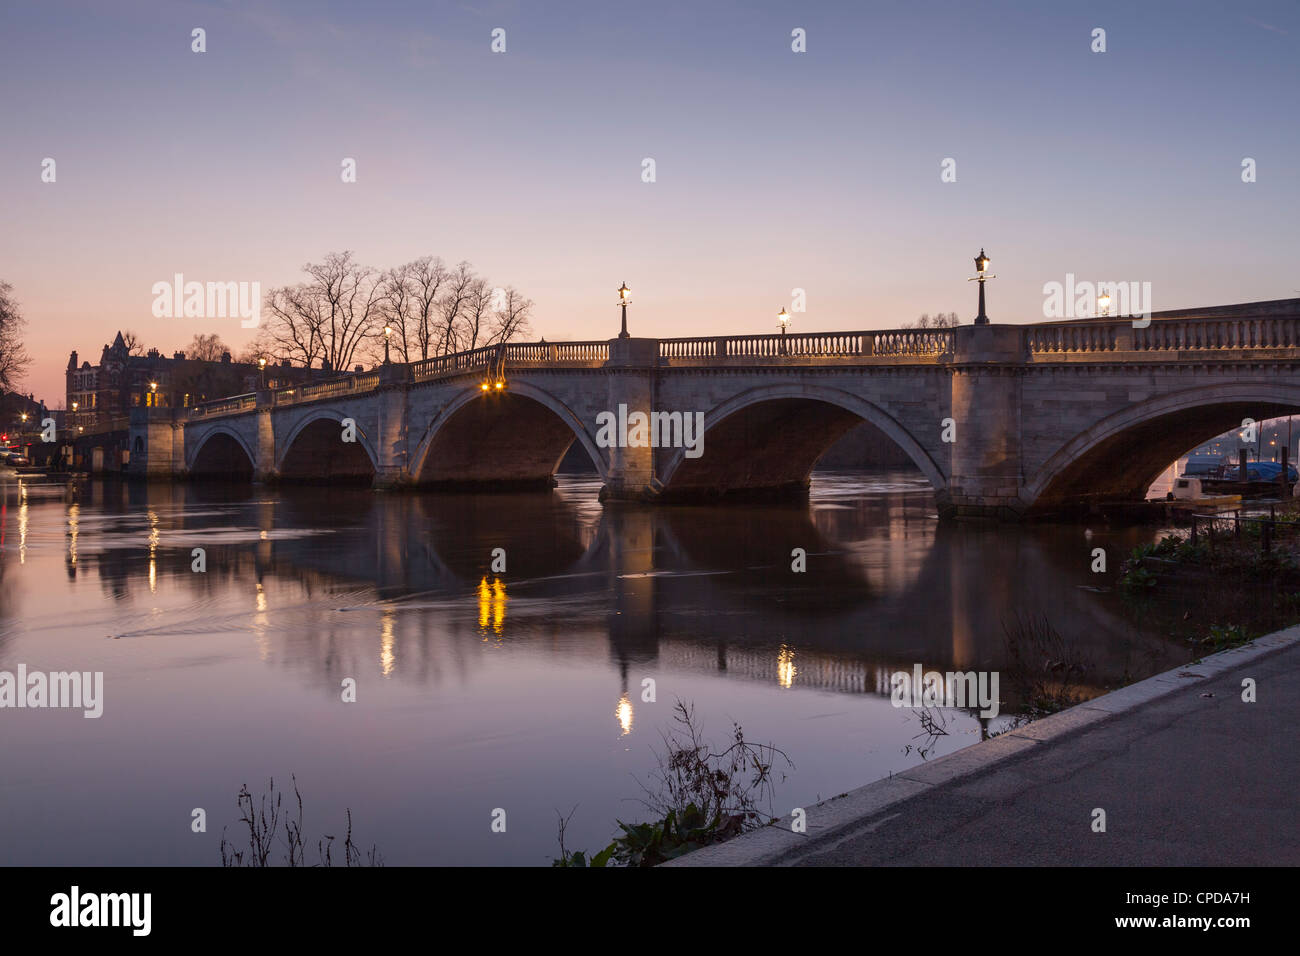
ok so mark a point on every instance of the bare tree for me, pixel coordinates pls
(460, 285)
(510, 317)
(293, 325)
(476, 314)
(206, 348)
(251, 353)
(13, 357)
(328, 317)
(339, 313)
(132, 342)
(426, 277)
(398, 306)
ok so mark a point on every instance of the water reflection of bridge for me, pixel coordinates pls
(808, 668)
(706, 589)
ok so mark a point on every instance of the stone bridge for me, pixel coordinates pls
(1002, 420)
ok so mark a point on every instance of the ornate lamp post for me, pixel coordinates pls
(153, 390)
(388, 334)
(624, 297)
(261, 370)
(75, 406)
(1103, 304)
(784, 318)
(981, 266)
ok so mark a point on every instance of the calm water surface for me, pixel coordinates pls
(476, 690)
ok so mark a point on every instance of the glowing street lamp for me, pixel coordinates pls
(1103, 303)
(981, 266)
(261, 369)
(784, 318)
(624, 297)
(388, 334)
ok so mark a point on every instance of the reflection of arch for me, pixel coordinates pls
(802, 402)
(444, 426)
(207, 458)
(1121, 455)
(331, 449)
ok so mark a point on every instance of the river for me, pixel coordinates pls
(476, 691)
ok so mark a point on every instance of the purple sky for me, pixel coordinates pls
(775, 169)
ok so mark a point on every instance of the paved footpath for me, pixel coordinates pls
(1187, 773)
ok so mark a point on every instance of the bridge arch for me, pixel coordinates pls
(313, 448)
(817, 416)
(222, 450)
(517, 436)
(1118, 457)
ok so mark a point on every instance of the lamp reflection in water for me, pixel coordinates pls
(624, 714)
(74, 526)
(153, 552)
(22, 529)
(387, 659)
(491, 607)
(260, 623)
(785, 669)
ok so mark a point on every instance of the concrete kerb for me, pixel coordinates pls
(854, 811)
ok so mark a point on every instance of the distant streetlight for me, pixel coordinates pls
(388, 333)
(784, 318)
(624, 297)
(981, 266)
(1103, 303)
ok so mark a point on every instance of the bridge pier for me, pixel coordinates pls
(264, 470)
(392, 467)
(631, 377)
(985, 474)
(156, 444)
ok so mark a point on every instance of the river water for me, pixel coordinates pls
(477, 691)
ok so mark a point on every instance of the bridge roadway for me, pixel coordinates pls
(1003, 420)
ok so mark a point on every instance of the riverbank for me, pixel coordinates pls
(1187, 772)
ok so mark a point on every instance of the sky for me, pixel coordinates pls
(774, 170)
